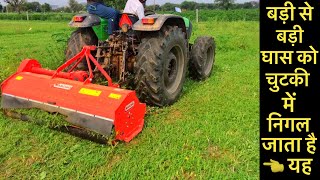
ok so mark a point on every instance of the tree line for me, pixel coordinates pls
(74, 6)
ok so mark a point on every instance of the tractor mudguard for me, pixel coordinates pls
(98, 24)
(160, 20)
(188, 26)
(85, 20)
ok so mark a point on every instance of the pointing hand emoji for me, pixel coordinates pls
(275, 166)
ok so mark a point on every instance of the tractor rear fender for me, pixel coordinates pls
(161, 20)
(85, 20)
(98, 24)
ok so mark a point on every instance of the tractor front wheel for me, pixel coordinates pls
(202, 58)
(161, 67)
(79, 38)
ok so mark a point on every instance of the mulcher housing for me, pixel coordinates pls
(94, 107)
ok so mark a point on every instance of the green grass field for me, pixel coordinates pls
(212, 132)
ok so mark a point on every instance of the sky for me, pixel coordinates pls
(65, 2)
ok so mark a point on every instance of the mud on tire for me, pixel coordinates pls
(79, 38)
(202, 58)
(161, 67)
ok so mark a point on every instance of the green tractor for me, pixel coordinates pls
(151, 55)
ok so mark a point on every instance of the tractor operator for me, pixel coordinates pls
(135, 7)
(98, 8)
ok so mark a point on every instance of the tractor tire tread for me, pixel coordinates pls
(198, 54)
(150, 63)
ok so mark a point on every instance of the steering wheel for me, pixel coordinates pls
(149, 12)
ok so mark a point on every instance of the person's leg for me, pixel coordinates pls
(117, 20)
(110, 14)
(107, 13)
(113, 22)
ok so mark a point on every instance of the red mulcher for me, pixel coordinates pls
(90, 106)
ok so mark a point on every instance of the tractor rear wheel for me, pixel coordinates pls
(161, 67)
(79, 38)
(202, 58)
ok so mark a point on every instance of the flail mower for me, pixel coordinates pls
(147, 58)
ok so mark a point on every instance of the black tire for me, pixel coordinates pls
(202, 58)
(155, 83)
(79, 38)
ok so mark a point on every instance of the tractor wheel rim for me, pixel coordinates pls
(174, 70)
(208, 60)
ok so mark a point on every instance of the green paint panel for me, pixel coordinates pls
(101, 30)
(186, 21)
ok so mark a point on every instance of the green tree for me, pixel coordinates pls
(32, 6)
(46, 7)
(157, 7)
(168, 7)
(16, 4)
(75, 6)
(1, 7)
(247, 5)
(225, 4)
(190, 5)
(117, 4)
